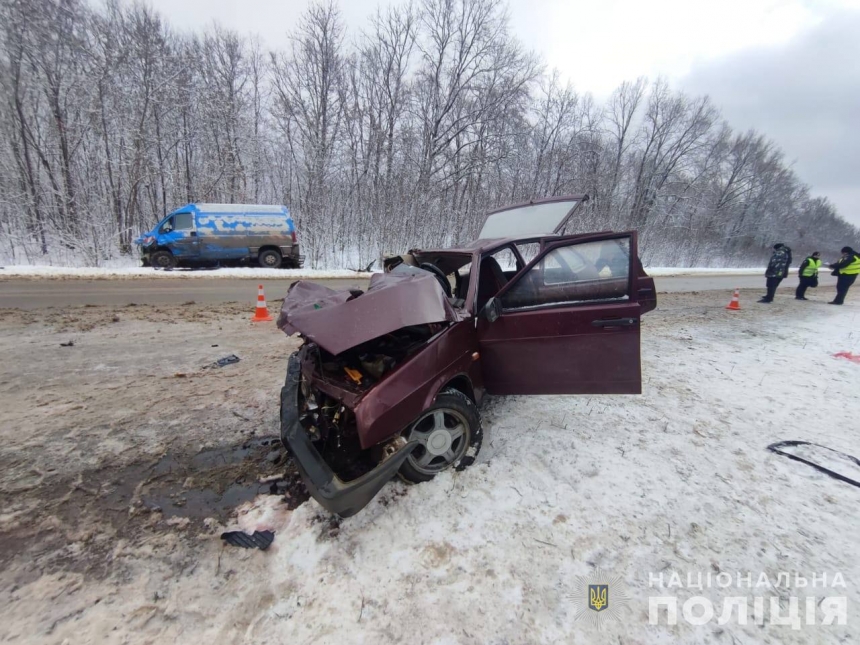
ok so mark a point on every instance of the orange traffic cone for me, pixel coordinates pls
(735, 304)
(262, 312)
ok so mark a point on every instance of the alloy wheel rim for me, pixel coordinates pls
(443, 439)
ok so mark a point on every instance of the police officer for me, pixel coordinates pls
(808, 274)
(847, 269)
(777, 269)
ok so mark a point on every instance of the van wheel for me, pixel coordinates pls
(163, 260)
(449, 434)
(269, 259)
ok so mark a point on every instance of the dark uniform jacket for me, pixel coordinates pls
(779, 263)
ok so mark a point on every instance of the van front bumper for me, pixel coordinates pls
(335, 495)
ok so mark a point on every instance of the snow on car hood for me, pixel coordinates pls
(338, 320)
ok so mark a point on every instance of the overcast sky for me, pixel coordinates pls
(788, 68)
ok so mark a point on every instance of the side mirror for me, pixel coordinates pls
(492, 310)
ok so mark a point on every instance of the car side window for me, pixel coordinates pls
(575, 273)
(528, 250)
(183, 221)
(506, 259)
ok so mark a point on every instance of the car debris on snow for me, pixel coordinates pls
(257, 540)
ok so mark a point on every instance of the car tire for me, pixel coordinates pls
(441, 447)
(163, 260)
(269, 259)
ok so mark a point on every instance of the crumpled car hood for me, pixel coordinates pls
(337, 321)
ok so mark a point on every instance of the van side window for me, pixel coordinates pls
(167, 226)
(183, 221)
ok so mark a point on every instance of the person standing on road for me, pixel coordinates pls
(808, 274)
(777, 269)
(847, 268)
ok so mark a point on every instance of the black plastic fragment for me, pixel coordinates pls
(227, 360)
(258, 539)
(777, 448)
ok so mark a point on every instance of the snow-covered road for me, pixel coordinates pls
(677, 480)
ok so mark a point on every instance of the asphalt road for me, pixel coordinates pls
(39, 293)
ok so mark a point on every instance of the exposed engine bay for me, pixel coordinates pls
(349, 348)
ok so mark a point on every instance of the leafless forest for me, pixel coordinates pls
(398, 134)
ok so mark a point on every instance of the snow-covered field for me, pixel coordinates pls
(677, 480)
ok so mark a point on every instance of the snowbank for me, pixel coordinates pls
(658, 272)
(120, 273)
(129, 272)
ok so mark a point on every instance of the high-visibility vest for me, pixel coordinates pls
(853, 268)
(811, 268)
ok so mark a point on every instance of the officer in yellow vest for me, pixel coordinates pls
(808, 274)
(847, 269)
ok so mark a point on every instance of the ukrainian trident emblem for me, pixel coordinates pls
(598, 597)
(591, 595)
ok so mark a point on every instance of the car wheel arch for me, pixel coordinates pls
(270, 247)
(460, 382)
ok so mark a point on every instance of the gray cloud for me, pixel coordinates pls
(805, 95)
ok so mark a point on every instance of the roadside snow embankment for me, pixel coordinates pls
(665, 272)
(127, 273)
(252, 273)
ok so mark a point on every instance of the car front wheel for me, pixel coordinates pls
(449, 434)
(163, 260)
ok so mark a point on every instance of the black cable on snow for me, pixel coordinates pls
(777, 449)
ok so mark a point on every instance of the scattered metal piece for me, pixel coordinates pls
(71, 343)
(227, 360)
(258, 539)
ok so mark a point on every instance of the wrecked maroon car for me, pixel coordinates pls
(388, 381)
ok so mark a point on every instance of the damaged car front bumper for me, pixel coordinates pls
(335, 495)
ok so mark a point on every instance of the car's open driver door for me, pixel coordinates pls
(569, 321)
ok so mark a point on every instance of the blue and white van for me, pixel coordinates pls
(228, 233)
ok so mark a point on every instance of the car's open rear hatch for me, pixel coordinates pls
(538, 217)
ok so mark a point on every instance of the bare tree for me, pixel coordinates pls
(402, 136)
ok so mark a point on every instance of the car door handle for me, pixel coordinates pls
(193, 234)
(615, 322)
